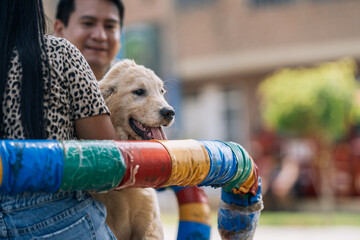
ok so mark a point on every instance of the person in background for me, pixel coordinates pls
(47, 91)
(93, 26)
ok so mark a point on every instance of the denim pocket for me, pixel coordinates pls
(69, 217)
(81, 229)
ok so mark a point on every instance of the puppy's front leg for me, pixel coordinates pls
(121, 133)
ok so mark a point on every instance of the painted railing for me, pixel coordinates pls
(51, 166)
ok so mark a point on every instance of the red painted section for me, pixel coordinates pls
(152, 159)
(191, 195)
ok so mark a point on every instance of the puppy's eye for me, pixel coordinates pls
(139, 92)
(162, 91)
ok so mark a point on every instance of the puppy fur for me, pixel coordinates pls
(134, 92)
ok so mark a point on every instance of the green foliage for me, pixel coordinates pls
(280, 218)
(309, 219)
(317, 101)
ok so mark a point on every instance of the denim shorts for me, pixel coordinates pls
(58, 216)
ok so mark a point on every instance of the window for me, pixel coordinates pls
(141, 43)
(235, 120)
(266, 3)
(193, 3)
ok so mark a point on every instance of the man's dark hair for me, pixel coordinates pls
(66, 7)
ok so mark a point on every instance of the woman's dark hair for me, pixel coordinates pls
(22, 28)
(66, 7)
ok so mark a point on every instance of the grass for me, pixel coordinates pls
(288, 219)
(309, 219)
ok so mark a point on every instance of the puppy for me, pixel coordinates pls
(135, 97)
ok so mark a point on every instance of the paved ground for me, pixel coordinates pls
(168, 203)
(308, 233)
(288, 233)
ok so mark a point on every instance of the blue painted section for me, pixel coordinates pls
(242, 200)
(239, 220)
(193, 231)
(31, 165)
(223, 163)
(176, 188)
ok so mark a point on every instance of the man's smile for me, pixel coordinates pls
(96, 48)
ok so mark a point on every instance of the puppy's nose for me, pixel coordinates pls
(167, 113)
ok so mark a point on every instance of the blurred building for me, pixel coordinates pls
(217, 51)
(213, 53)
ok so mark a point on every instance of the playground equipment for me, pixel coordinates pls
(194, 213)
(50, 166)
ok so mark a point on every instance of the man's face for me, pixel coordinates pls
(94, 28)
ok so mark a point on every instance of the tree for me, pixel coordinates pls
(317, 102)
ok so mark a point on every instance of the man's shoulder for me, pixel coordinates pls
(113, 62)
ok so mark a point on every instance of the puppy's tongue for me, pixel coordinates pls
(158, 133)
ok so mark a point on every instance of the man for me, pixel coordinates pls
(93, 26)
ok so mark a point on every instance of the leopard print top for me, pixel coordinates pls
(73, 94)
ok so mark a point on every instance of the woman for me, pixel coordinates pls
(47, 91)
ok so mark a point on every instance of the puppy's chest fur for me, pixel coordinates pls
(132, 213)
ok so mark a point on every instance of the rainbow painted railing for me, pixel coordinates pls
(50, 166)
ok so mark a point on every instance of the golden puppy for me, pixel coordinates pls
(135, 97)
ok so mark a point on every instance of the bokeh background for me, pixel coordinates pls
(281, 78)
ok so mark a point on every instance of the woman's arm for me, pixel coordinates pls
(98, 127)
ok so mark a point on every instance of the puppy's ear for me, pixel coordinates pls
(106, 92)
(127, 63)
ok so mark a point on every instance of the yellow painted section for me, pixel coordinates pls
(245, 187)
(190, 162)
(195, 212)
